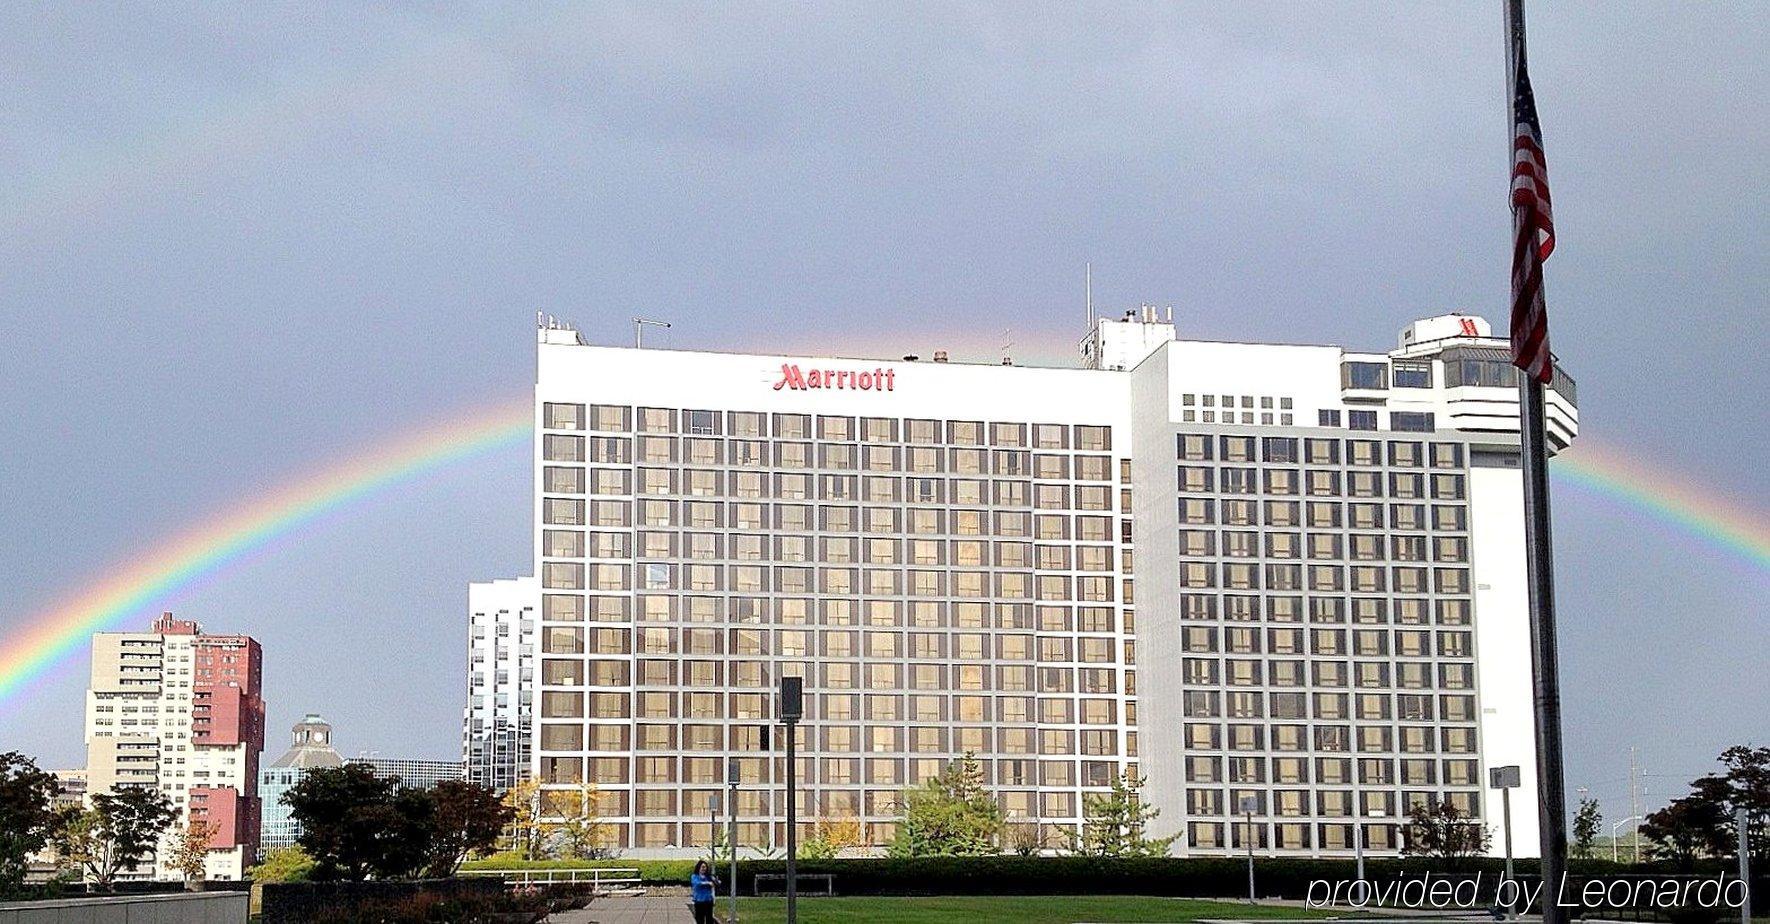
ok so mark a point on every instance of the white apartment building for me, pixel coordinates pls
(497, 724)
(1289, 578)
(180, 711)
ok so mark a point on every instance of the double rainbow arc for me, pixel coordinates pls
(59, 634)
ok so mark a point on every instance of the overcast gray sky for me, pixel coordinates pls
(238, 243)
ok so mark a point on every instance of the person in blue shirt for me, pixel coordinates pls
(703, 883)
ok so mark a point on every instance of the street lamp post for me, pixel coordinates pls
(1613, 835)
(731, 837)
(1248, 804)
(792, 709)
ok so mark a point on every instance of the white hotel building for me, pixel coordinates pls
(1286, 574)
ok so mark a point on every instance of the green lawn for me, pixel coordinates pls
(1043, 909)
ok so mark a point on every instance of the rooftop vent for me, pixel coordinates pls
(940, 356)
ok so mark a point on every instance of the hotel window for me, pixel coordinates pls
(1412, 422)
(1364, 375)
(557, 448)
(563, 416)
(1093, 438)
(1447, 455)
(608, 417)
(1413, 374)
(1361, 420)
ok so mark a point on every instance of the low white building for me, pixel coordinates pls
(497, 723)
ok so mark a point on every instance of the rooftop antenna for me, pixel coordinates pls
(639, 330)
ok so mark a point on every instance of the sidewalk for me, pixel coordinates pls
(630, 909)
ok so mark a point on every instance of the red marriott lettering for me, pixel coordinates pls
(796, 379)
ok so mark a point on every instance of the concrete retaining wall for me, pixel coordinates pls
(190, 908)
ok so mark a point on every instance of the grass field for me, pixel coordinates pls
(1043, 909)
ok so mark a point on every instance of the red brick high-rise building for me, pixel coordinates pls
(183, 712)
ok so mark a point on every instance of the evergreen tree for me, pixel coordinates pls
(1115, 822)
(950, 815)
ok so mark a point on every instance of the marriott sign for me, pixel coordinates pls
(796, 379)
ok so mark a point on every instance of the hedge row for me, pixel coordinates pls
(1195, 877)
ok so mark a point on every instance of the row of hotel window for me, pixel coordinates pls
(830, 643)
(1248, 608)
(620, 419)
(1377, 805)
(1321, 514)
(658, 544)
(838, 675)
(617, 450)
(1198, 447)
(1408, 643)
(710, 483)
(1331, 771)
(1197, 479)
(1357, 547)
(1322, 578)
(1400, 675)
(836, 707)
(829, 611)
(756, 773)
(893, 582)
(835, 518)
(837, 739)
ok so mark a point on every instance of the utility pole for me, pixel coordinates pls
(1741, 821)
(1635, 798)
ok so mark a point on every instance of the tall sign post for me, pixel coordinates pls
(731, 836)
(1505, 779)
(1533, 240)
(792, 709)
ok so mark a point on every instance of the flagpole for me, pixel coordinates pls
(1540, 569)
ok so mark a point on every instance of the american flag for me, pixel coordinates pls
(1534, 234)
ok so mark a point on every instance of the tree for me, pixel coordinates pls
(1688, 828)
(580, 832)
(284, 864)
(27, 816)
(527, 833)
(830, 836)
(950, 815)
(467, 819)
(1441, 830)
(345, 813)
(1114, 823)
(190, 855)
(1587, 822)
(115, 834)
(1748, 783)
(1023, 838)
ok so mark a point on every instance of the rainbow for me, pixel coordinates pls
(202, 551)
(1595, 468)
(59, 634)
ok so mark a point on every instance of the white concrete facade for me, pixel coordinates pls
(497, 723)
(1323, 615)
